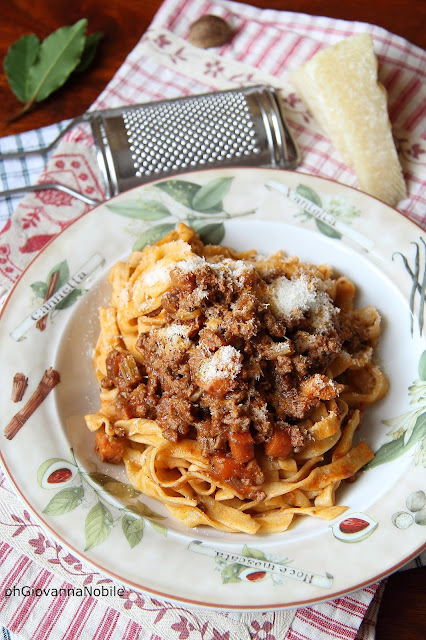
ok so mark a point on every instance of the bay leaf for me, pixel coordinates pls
(17, 63)
(58, 55)
(89, 51)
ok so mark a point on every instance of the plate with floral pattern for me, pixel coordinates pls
(49, 328)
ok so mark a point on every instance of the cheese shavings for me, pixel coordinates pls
(221, 368)
(295, 298)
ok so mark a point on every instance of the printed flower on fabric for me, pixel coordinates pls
(261, 632)
(132, 598)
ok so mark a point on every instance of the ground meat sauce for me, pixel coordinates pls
(240, 361)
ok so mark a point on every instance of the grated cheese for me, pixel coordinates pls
(224, 363)
(190, 266)
(293, 298)
(160, 273)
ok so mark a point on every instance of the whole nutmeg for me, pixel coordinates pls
(209, 31)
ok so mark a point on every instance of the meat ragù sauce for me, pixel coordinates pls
(245, 352)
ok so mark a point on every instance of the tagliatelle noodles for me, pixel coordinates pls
(179, 473)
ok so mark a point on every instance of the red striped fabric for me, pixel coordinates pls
(270, 42)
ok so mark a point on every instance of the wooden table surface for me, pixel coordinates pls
(403, 611)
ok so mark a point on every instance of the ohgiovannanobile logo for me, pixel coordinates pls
(67, 592)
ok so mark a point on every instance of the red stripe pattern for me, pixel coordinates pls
(270, 42)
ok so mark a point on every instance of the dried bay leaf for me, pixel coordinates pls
(17, 63)
(59, 55)
(89, 51)
(35, 70)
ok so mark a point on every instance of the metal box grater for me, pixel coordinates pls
(240, 127)
(136, 144)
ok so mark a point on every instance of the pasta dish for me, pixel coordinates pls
(232, 384)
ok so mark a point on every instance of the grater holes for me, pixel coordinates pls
(203, 130)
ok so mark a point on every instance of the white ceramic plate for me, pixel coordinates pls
(90, 508)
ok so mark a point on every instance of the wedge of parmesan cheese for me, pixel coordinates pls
(340, 86)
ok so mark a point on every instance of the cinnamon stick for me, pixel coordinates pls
(49, 380)
(19, 386)
(41, 324)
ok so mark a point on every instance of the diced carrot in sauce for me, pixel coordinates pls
(226, 467)
(279, 446)
(109, 449)
(242, 446)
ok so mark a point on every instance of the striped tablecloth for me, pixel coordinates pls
(267, 44)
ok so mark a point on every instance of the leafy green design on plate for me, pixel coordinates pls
(83, 487)
(417, 273)
(40, 288)
(231, 571)
(152, 235)
(209, 197)
(141, 509)
(211, 233)
(64, 501)
(115, 487)
(140, 209)
(182, 191)
(338, 207)
(198, 206)
(98, 525)
(204, 199)
(132, 529)
(409, 429)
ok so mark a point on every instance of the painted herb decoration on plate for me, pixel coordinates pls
(417, 273)
(338, 207)
(97, 491)
(409, 429)
(199, 206)
(43, 290)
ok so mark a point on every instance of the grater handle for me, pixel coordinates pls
(44, 150)
(44, 186)
(41, 150)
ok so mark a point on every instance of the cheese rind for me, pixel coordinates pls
(340, 86)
